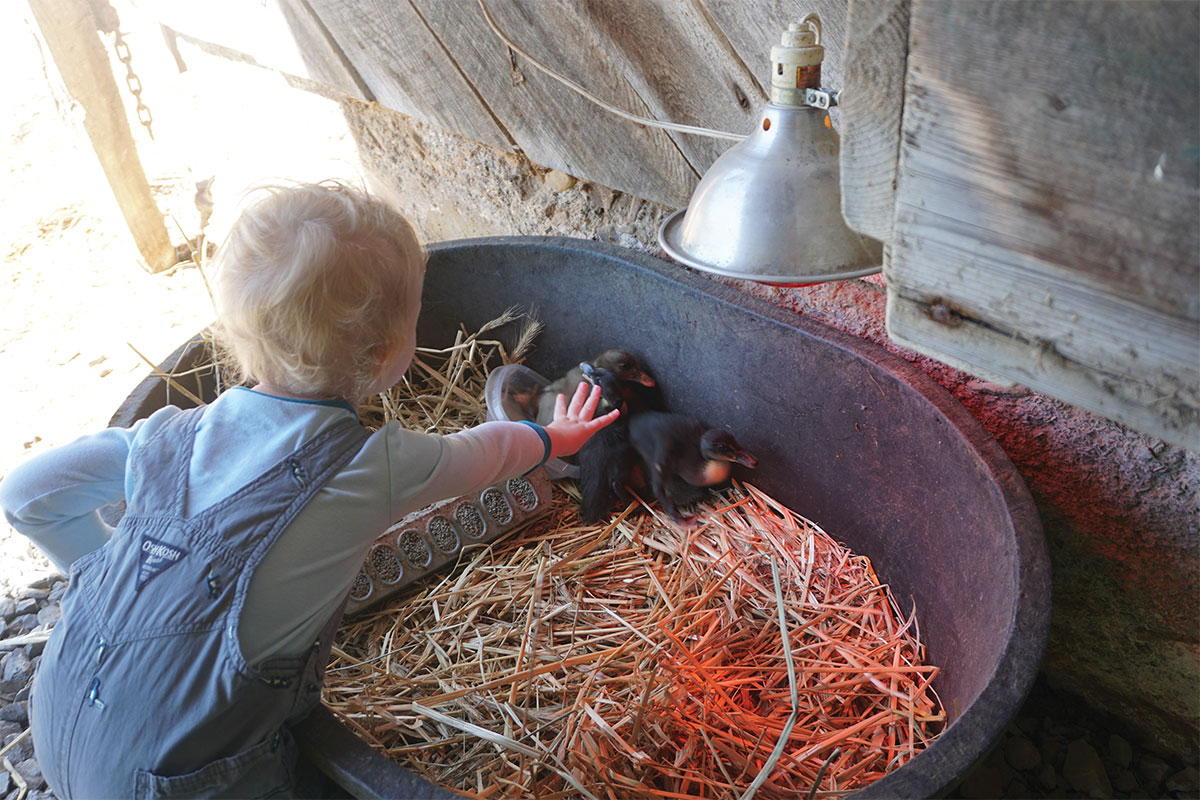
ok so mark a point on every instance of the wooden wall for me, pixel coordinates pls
(1033, 166)
(698, 63)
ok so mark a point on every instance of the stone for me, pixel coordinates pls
(1017, 788)
(1021, 753)
(22, 750)
(1120, 751)
(8, 607)
(1084, 770)
(49, 616)
(18, 669)
(15, 712)
(1052, 747)
(31, 592)
(1186, 782)
(1046, 775)
(27, 605)
(46, 581)
(31, 771)
(23, 623)
(985, 781)
(1125, 781)
(1152, 769)
(558, 181)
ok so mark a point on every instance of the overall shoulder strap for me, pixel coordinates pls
(249, 520)
(159, 465)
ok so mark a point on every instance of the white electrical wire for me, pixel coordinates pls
(670, 126)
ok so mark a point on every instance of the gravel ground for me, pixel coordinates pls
(1056, 746)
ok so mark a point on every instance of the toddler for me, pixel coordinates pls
(195, 633)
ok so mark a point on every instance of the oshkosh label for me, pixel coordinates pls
(156, 557)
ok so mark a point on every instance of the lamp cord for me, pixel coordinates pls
(653, 123)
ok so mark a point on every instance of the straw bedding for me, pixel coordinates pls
(749, 656)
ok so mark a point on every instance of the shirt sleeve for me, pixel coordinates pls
(427, 468)
(55, 497)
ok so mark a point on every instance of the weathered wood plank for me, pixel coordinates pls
(553, 125)
(69, 28)
(681, 66)
(871, 105)
(323, 58)
(1048, 202)
(408, 68)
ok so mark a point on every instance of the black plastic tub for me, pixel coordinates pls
(848, 435)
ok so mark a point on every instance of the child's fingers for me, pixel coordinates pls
(560, 407)
(579, 400)
(589, 405)
(576, 400)
(599, 422)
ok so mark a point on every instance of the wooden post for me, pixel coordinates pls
(872, 101)
(70, 30)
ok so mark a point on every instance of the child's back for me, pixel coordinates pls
(193, 634)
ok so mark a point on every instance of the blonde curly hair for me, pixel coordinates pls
(315, 286)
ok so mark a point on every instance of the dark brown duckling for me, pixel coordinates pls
(683, 457)
(619, 362)
(607, 462)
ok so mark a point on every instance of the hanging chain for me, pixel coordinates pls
(108, 22)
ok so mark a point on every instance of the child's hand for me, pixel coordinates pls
(573, 424)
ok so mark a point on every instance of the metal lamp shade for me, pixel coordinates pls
(769, 209)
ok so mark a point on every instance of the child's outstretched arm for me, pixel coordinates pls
(573, 424)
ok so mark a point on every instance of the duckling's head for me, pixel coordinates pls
(611, 395)
(719, 445)
(720, 451)
(624, 366)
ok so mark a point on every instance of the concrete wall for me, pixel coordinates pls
(1121, 510)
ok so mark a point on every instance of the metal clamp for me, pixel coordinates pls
(824, 99)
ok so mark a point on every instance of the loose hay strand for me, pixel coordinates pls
(753, 656)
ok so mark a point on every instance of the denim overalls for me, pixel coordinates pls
(143, 690)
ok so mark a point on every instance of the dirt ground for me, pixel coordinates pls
(76, 300)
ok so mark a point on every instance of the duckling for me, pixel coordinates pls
(684, 457)
(624, 365)
(607, 462)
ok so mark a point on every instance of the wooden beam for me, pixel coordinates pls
(1047, 223)
(70, 30)
(871, 103)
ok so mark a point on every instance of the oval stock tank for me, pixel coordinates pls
(848, 435)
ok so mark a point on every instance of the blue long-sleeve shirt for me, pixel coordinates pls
(54, 498)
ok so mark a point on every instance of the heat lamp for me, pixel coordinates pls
(769, 209)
